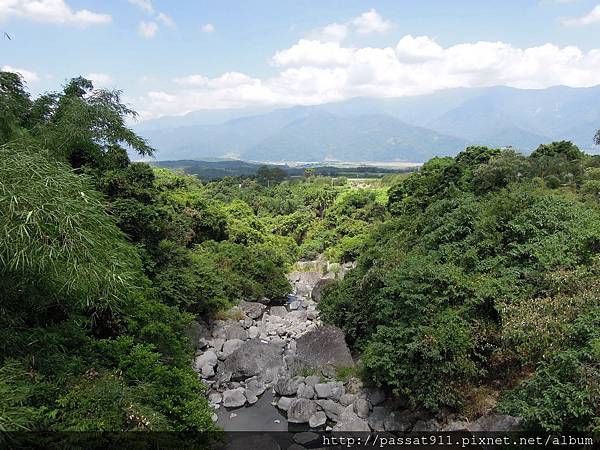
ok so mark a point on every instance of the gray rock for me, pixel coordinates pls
(253, 332)
(252, 309)
(346, 399)
(376, 396)
(294, 305)
(207, 371)
(255, 358)
(337, 390)
(255, 387)
(362, 408)
(284, 403)
(349, 421)
(323, 390)
(331, 408)
(207, 358)
(288, 386)
(217, 344)
(251, 397)
(278, 311)
(318, 419)
(301, 410)
(499, 422)
(247, 322)
(305, 391)
(312, 380)
(236, 332)
(317, 291)
(202, 344)
(306, 438)
(377, 418)
(214, 417)
(231, 346)
(234, 398)
(215, 398)
(324, 346)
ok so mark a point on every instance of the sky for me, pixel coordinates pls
(170, 57)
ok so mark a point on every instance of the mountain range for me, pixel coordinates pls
(411, 129)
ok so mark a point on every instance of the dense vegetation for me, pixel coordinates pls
(105, 264)
(485, 282)
(478, 280)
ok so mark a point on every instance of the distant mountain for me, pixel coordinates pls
(365, 129)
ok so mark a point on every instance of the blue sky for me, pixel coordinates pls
(174, 56)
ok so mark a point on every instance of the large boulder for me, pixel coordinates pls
(236, 332)
(317, 291)
(252, 309)
(301, 410)
(324, 346)
(206, 359)
(234, 398)
(253, 358)
(304, 282)
(231, 346)
(349, 421)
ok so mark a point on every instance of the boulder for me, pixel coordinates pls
(215, 398)
(399, 421)
(377, 418)
(337, 390)
(255, 387)
(217, 344)
(255, 357)
(208, 358)
(253, 332)
(231, 346)
(252, 309)
(317, 291)
(301, 410)
(331, 408)
(284, 403)
(318, 419)
(349, 421)
(288, 386)
(498, 423)
(278, 311)
(362, 408)
(234, 398)
(323, 346)
(323, 390)
(306, 391)
(346, 399)
(236, 332)
(312, 380)
(304, 282)
(207, 371)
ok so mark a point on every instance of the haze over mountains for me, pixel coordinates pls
(409, 129)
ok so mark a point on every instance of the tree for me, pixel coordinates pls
(270, 175)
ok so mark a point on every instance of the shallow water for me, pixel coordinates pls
(258, 417)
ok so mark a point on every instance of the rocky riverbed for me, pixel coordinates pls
(276, 367)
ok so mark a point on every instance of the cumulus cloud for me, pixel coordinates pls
(371, 22)
(314, 72)
(50, 11)
(208, 28)
(100, 80)
(593, 17)
(145, 5)
(147, 29)
(28, 75)
(367, 23)
(165, 19)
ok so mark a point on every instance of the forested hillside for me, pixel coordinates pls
(477, 285)
(483, 288)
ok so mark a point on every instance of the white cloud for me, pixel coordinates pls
(371, 22)
(28, 75)
(145, 5)
(314, 72)
(208, 28)
(590, 18)
(165, 19)
(148, 29)
(367, 23)
(100, 80)
(50, 11)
